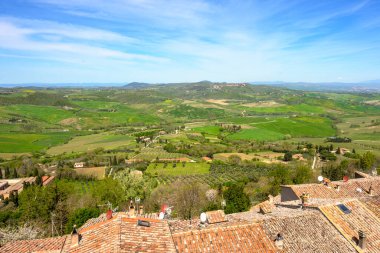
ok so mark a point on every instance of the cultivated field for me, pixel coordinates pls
(91, 142)
(179, 169)
(96, 172)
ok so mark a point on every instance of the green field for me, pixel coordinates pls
(19, 143)
(213, 130)
(91, 142)
(300, 126)
(187, 169)
(38, 119)
(257, 134)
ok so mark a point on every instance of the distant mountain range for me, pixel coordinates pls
(367, 86)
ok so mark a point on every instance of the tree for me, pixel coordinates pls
(14, 174)
(367, 161)
(34, 204)
(336, 172)
(236, 199)
(80, 216)
(234, 159)
(7, 173)
(279, 176)
(25, 232)
(331, 147)
(39, 180)
(302, 175)
(135, 185)
(35, 172)
(353, 151)
(190, 199)
(288, 156)
(338, 151)
(1, 173)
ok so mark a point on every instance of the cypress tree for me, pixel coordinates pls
(7, 173)
(39, 180)
(14, 174)
(1, 173)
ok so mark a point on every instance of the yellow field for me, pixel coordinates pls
(267, 157)
(97, 172)
(91, 142)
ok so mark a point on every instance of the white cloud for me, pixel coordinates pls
(15, 37)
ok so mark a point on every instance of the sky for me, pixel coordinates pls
(158, 41)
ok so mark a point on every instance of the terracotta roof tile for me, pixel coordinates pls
(349, 224)
(216, 216)
(345, 190)
(373, 204)
(241, 238)
(54, 244)
(308, 232)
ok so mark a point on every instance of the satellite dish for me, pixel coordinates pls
(345, 178)
(161, 216)
(359, 189)
(320, 178)
(203, 217)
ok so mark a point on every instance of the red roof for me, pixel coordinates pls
(241, 238)
(354, 188)
(54, 244)
(358, 218)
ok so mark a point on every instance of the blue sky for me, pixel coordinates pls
(76, 41)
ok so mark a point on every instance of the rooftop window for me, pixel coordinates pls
(344, 208)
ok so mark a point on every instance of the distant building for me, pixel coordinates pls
(298, 157)
(17, 184)
(207, 159)
(79, 165)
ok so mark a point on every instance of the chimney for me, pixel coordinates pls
(131, 211)
(141, 210)
(370, 191)
(75, 237)
(279, 241)
(337, 188)
(271, 199)
(362, 240)
(109, 214)
(305, 198)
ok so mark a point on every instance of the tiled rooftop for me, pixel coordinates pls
(241, 238)
(17, 186)
(358, 218)
(119, 234)
(354, 188)
(321, 226)
(372, 204)
(308, 232)
(216, 216)
(52, 245)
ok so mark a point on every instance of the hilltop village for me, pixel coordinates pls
(331, 216)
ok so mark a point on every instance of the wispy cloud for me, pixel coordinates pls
(52, 38)
(179, 40)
